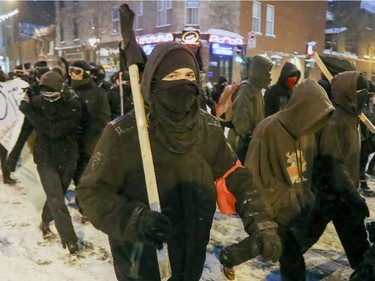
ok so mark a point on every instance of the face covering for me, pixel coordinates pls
(291, 82)
(176, 98)
(174, 114)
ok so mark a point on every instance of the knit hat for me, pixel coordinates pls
(52, 80)
(82, 64)
(174, 60)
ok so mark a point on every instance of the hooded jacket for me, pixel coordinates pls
(282, 152)
(248, 104)
(339, 149)
(113, 188)
(277, 96)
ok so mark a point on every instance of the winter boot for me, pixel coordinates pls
(365, 190)
(47, 233)
(9, 181)
(72, 247)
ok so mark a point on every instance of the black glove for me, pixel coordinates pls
(359, 206)
(269, 244)
(153, 228)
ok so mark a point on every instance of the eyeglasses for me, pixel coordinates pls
(77, 71)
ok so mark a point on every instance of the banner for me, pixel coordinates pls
(11, 120)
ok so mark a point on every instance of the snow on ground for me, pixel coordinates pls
(24, 255)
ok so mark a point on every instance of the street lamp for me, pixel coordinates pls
(94, 42)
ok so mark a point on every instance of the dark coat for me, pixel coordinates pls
(339, 149)
(114, 100)
(113, 188)
(56, 125)
(283, 150)
(95, 114)
(277, 96)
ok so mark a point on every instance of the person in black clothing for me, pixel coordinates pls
(97, 73)
(55, 115)
(277, 96)
(114, 97)
(280, 158)
(112, 192)
(218, 88)
(336, 179)
(323, 82)
(7, 179)
(95, 112)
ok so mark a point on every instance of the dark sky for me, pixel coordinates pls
(37, 12)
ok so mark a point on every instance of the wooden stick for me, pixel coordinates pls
(329, 76)
(148, 165)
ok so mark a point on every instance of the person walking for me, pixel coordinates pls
(280, 158)
(55, 115)
(112, 192)
(248, 105)
(277, 96)
(337, 176)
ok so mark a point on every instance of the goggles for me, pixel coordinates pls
(76, 71)
(51, 96)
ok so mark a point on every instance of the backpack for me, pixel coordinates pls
(224, 106)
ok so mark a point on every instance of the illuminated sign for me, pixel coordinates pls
(225, 40)
(191, 38)
(220, 49)
(155, 38)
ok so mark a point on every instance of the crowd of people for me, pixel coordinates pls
(291, 163)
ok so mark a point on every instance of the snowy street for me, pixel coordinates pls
(26, 256)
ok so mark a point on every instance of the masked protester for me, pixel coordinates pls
(277, 96)
(280, 158)
(97, 73)
(55, 115)
(248, 105)
(95, 112)
(113, 194)
(337, 176)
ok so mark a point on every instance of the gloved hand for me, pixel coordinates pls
(153, 228)
(359, 206)
(269, 244)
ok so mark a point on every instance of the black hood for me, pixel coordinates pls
(288, 70)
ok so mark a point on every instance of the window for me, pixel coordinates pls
(75, 29)
(256, 16)
(164, 13)
(51, 47)
(115, 20)
(270, 20)
(62, 37)
(192, 13)
(139, 16)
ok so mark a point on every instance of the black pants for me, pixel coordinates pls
(3, 158)
(367, 147)
(55, 184)
(350, 228)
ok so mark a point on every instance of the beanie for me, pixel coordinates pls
(52, 80)
(175, 59)
(41, 63)
(82, 64)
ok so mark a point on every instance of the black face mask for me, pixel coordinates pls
(176, 98)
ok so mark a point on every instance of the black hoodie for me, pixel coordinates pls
(282, 152)
(113, 188)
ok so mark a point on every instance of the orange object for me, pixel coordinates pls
(225, 199)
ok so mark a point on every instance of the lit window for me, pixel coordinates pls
(270, 21)
(115, 20)
(139, 16)
(164, 13)
(192, 13)
(256, 16)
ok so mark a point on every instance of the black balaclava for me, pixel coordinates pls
(86, 74)
(174, 106)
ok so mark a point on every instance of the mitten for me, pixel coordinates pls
(269, 244)
(153, 228)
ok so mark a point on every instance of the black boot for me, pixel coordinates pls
(9, 181)
(46, 231)
(72, 247)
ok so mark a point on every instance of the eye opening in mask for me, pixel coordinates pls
(77, 71)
